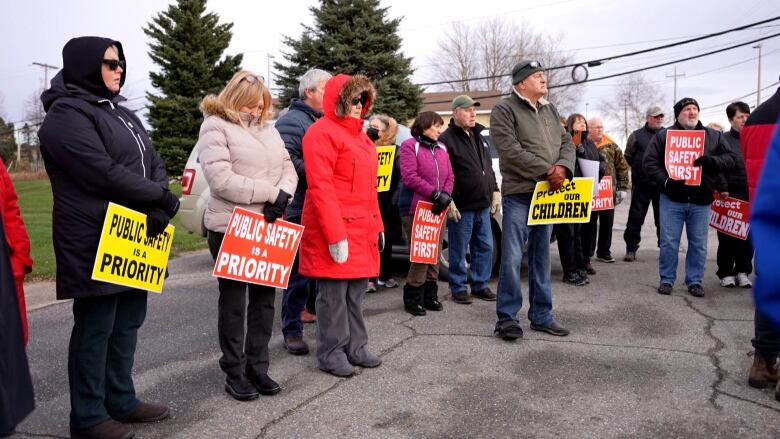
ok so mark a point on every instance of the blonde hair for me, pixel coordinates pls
(387, 134)
(245, 89)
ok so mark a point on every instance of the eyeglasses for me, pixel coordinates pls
(362, 99)
(114, 64)
(253, 79)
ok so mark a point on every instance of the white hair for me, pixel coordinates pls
(310, 80)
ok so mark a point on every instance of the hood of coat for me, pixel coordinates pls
(59, 89)
(211, 106)
(339, 92)
(82, 63)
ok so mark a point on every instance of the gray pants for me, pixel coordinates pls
(341, 329)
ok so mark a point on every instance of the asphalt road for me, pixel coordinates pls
(636, 364)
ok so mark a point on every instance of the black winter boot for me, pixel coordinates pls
(413, 300)
(431, 296)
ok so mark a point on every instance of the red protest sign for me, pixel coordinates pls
(257, 251)
(730, 216)
(604, 200)
(683, 147)
(426, 229)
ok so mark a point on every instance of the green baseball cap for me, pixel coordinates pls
(524, 69)
(464, 101)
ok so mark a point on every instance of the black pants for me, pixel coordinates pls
(392, 222)
(242, 349)
(600, 221)
(767, 339)
(569, 239)
(641, 197)
(734, 256)
(101, 354)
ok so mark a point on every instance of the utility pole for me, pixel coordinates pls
(758, 91)
(269, 58)
(675, 76)
(586, 109)
(45, 68)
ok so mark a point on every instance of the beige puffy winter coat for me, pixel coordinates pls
(244, 167)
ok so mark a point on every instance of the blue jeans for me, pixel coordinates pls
(473, 231)
(516, 233)
(696, 218)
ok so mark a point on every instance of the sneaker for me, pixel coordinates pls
(240, 388)
(696, 290)
(574, 279)
(146, 412)
(485, 294)
(263, 383)
(390, 283)
(584, 275)
(665, 289)
(589, 268)
(608, 259)
(295, 345)
(307, 317)
(509, 331)
(463, 298)
(106, 429)
(371, 288)
(743, 281)
(630, 256)
(728, 282)
(552, 328)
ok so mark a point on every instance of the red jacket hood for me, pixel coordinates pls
(339, 91)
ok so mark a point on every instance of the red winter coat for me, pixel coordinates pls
(18, 240)
(756, 136)
(341, 201)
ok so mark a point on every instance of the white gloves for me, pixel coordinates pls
(619, 197)
(496, 204)
(453, 214)
(339, 251)
(381, 242)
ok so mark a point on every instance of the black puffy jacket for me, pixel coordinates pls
(95, 152)
(635, 154)
(737, 177)
(292, 126)
(712, 177)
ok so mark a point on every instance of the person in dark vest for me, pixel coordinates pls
(298, 299)
(643, 189)
(16, 392)
(96, 151)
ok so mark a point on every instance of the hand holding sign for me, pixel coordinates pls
(705, 161)
(556, 176)
(426, 232)
(683, 149)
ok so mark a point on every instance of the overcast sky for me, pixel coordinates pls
(35, 31)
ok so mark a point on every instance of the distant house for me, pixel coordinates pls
(441, 103)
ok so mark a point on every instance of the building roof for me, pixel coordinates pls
(441, 102)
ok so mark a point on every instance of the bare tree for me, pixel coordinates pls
(631, 97)
(34, 114)
(488, 49)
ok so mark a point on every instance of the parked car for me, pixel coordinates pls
(195, 196)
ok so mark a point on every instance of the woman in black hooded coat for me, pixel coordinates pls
(96, 152)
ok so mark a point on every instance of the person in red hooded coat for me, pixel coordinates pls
(343, 227)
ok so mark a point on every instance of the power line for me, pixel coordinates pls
(740, 97)
(599, 61)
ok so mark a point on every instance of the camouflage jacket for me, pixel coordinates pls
(617, 166)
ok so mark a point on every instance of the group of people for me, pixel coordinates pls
(318, 167)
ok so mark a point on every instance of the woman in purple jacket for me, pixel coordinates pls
(426, 171)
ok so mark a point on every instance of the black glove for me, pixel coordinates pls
(275, 210)
(156, 222)
(706, 161)
(440, 202)
(169, 203)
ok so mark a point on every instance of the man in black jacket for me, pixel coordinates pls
(292, 126)
(735, 256)
(682, 204)
(474, 199)
(643, 189)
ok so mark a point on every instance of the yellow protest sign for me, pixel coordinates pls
(386, 155)
(568, 204)
(126, 256)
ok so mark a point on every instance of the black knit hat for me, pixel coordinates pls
(682, 103)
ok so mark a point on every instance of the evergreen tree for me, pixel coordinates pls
(353, 36)
(7, 141)
(188, 45)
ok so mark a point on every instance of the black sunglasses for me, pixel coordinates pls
(362, 99)
(535, 65)
(114, 64)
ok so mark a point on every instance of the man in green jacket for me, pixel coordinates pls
(532, 146)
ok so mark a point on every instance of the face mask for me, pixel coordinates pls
(247, 118)
(372, 133)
